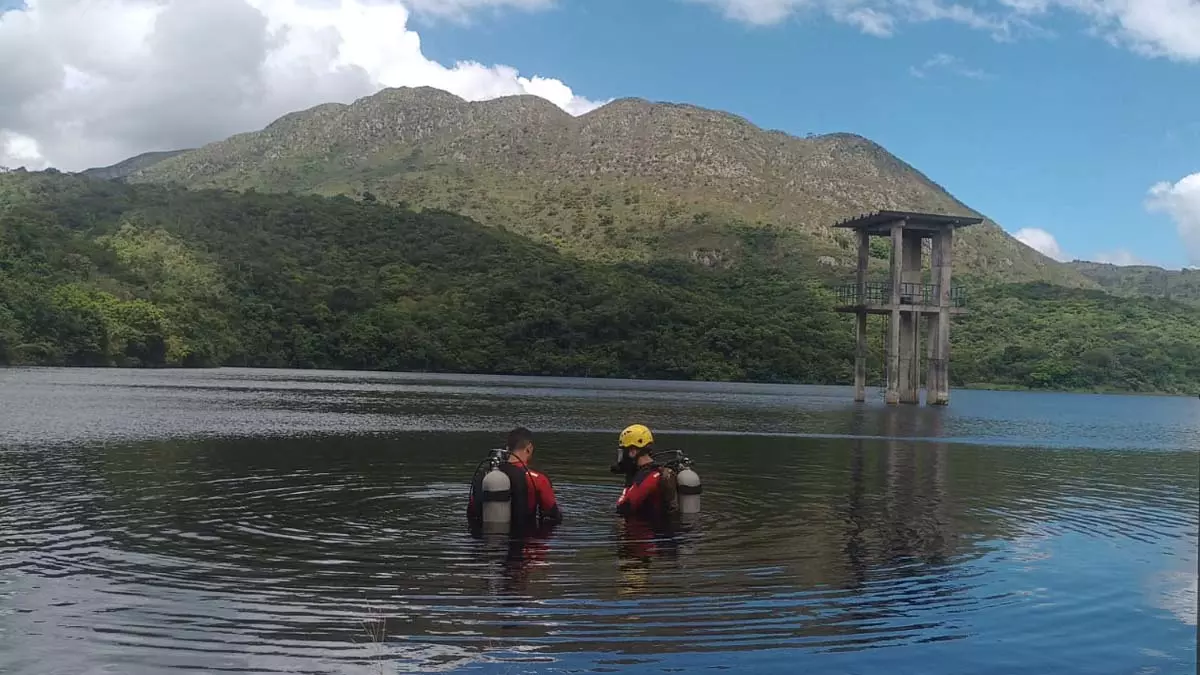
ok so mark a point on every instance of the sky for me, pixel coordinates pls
(1074, 124)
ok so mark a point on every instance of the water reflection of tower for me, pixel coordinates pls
(940, 453)
(856, 548)
(916, 499)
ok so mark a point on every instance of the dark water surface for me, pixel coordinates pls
(281, 522)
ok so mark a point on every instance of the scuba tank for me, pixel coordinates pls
(497, 494)
(687, 481)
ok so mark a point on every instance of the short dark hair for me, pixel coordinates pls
(519, 438)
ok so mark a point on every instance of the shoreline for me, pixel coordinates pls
(982, 386)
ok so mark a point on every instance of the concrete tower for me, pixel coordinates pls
(905, 298)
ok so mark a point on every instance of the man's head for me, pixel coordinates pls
(633, 449)
(520, 444)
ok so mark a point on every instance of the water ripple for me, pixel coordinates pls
(298, 554)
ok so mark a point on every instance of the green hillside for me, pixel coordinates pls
(1143, 281)
(132, 165)
(100, 273)
(1042, 336)
(632, 180)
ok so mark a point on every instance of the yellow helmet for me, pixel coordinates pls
(635, 436)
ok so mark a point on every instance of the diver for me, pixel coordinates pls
(658, 484)
(505, 490)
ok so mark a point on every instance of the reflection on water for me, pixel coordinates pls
(243, 402)
(898, 540)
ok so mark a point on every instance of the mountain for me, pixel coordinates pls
(96, 272)
(1143, 280)
(133, 164)
(632, 180)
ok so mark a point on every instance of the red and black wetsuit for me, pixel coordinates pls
(645, 495)
(644, 539)
(532, 496)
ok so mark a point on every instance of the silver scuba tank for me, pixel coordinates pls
(688, 488)
(687, 481)
(497, 498)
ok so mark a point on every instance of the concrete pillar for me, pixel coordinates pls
(910, 392)
(860, 359)
(864, 260)
(860, 355)
(910, 350)
(946, 246)
(893, 361)
(934, 323)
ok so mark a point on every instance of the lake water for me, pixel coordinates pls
(312, 522)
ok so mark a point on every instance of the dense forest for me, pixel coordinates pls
(97, 273)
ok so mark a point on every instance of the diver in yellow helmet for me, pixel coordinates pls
(634, 446)
(657, 482)
(636, 436)
(649, 489)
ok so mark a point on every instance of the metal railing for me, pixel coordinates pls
(880, 293)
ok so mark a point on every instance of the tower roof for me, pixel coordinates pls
(881, 221)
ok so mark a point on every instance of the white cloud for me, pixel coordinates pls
(875, 17)
(17, 150)
(1000, 25)
(759, 12)
(1028, 6)
(459, 9)
(1041, 241)
(1167, 28)
(1045, 243)
(91, 82)
(870, 21)
(950, 64)
(1120, 257)
(1181, 201)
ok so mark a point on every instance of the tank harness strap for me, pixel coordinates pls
(501, 496)
(519, 486)
(671, 470)
(667, 489)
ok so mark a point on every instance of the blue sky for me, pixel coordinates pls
(1064, 132)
